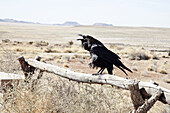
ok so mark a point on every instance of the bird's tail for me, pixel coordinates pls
(123, 70)
(123, 66)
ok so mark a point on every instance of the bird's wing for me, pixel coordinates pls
(105, 54)
(109, 56)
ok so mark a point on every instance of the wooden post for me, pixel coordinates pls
(139, 104)
(38, 58)
(136, 96)
(28, 69)
(149, 103)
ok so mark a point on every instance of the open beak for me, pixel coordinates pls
(80, 35)
(84, 36)
(79, 39)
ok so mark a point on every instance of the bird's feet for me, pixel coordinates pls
(90, 65)
(95, 74)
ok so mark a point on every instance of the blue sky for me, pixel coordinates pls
(149, 13)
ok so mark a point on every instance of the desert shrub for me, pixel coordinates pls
(136, 54)
(155, 57)
(157, 68)
(70, 42)
(134, 68)
(152, 67)
(5, 41)
(68, 51)
(18, 50)
(65, 65)
(31, 42)
(166, 78)
(49, 50)
(162, 70)
(18, 42)
(139, 55)
(41, 43)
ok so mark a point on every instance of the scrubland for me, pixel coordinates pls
(144, 50)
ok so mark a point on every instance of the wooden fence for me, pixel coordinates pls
(143, 94)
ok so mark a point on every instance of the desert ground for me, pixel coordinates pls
(145, 50)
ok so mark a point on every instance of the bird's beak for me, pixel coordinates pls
(79, 39)
(80, 35)
(84, 36)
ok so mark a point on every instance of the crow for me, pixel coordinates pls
(101, 56)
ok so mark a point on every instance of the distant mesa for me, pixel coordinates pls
(102, 24)
(16, 21)
(72, 23)
(69, 23)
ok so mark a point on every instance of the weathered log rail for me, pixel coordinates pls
(143, 94)
(101, 79)
(6, 78)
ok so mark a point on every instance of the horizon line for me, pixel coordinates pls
(78, 24)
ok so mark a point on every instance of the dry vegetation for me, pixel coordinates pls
(55, 94)
(65, 96)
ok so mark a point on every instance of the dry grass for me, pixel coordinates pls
(61, 95)
(8, 61)
(55, 94)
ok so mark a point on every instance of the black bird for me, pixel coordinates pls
(101, 56)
